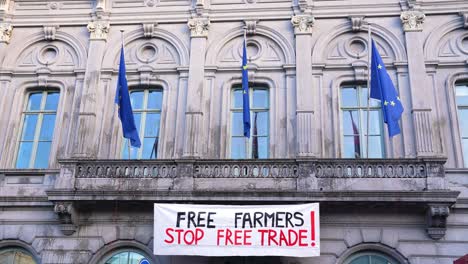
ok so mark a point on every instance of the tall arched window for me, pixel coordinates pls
(16, 255)
(354, 115)
(146, 106)
(255, 147)
(37, 130)
(461, 92)
(126, 256)
(370, 257)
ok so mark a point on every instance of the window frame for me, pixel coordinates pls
(144, 111)
(253, 110)
(40, 117)
(461, 83)
(370, 253)
(22, 250)
(116, 251)
(361, 109)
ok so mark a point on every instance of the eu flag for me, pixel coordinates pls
(122, 99)
(382, 89)
(245, 92)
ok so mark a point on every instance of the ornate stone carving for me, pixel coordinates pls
(148, 29)
(465, 20)
(356, 23)
(412, 20)
(101, 5)
(4, 5)
(437, 220)
(303, 24)
(251, 26)
(54, 5)
(5, 32)
(98, 29)
(65, 210)
(49, 32)
(199, 27)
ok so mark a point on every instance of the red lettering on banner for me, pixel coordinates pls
(187, 237)
(282, 237)
(226, 237)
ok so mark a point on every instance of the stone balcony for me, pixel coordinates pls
(324, 180)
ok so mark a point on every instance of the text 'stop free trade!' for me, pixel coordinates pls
(225, 230)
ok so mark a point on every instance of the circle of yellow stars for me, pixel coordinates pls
(392, 103)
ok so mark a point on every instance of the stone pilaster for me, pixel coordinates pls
(420, 86)
(194, 114)
(86, 138)
(305, 110)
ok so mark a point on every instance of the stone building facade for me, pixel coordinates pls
(70, 195)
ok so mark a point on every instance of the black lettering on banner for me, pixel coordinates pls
(180, 216)
(299, 218)
(257, 219)
(210, 220)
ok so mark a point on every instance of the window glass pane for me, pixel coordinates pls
(379, 260)
(154, 99)
(152, 125)
(148, 144)
(237, 127)
(462, 95)
(14, 256)
(463, 120)
(374, 122)
(363, 97)
(47, 127)
(136, 98)
(352, 147)
(350, 122)
(34, 102)
(29, 127)
(52, 101)
(260, 98)
(348, 97)
(42, 155)
(137, 118)
(375, 147)
(465, 150)
(361, 260)
(238, 148)
(261, 124)
(262, 147)
(238, 102)
(24, 155)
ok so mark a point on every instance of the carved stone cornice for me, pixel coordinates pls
(49, 32)
(199, 27)
(5, 32)
(65, 212)
(436, 220)
(412, 20)
(303, 24)
(98, 29)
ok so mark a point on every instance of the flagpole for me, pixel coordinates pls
(369, 51)
(122, 39)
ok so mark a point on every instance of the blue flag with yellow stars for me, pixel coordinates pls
(382, 89)
(245, 92)
(122, 99)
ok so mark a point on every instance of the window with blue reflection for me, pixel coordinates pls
(125, 257)
(37, 130)
(255, 147)
(461, 92)
(354, 113)
(370, 258)
(146, 105)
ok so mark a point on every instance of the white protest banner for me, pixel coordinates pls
(225, 230)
